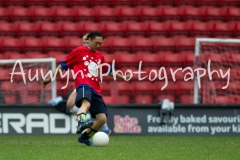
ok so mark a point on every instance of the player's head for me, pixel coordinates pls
(95, 40)
(84, 40)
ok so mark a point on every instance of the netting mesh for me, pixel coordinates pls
(24, 88)
(220, 85)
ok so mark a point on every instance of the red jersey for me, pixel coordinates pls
(84, 62)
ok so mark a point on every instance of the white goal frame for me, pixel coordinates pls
(37, 60)
(197, 53)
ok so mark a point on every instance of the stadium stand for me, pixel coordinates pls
(157, 32)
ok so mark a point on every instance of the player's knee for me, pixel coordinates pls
(102, 120)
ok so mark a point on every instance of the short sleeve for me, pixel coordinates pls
(70, 60)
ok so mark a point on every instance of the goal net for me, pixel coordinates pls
(20, 81)
(221, 59)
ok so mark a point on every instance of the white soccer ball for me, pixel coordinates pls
(100, 139)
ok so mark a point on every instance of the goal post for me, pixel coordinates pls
(221, 58)
(20, 80)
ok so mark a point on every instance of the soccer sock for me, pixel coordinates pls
(86, 135)
(82, 118)
(104, 127)
(74, 109)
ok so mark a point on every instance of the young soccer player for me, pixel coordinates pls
(72, 98)
(85, 60)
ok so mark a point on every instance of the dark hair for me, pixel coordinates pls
(94, 34)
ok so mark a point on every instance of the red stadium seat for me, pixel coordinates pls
(80, 2)
(106, 13)
(114, 29)
(31, 93)
(201, 28)
(170, 13)
(58, 2)
(128, 59)
(163, 88)
(109, 57)
(149, 13)
(233, 58)
(7, 29)
(41, 13)
(179, 73)
(157, 28)
(148, 73)
(4, 14)
(123, 99)
(171, 59)
(141, 43)
(14, 2)
(62, 13)
(19, 13)
(10, 95)
(36, 55)
(36, 2)
(185, 43)
(164, 2)
(223, 99)
(143, 99)
(48, 29)
(122, 2)
(229, 2)
(186, 99)
(72, 43)
(128, 13)
(186, 2)
(32, 44)
(169, 97)
(14, 55)
(91, 26)
(60, 56)
(213, 56)
(142, 87)
(120, 44)
(5, 73)
(162, 43)
(221, 28)
(179, 28)
(84, 13)
(124, 88)
(232, 13)
(10, 44)
(125, 70)
(52, 43)
(2, 56)
(234, 72)
(214, 13)
(143, 2)
(26, 29)
(148, 58)
(193, 13)
(208, 2)
(102, 2)
(106, 88)
(109, 99)
(135, 28)
(70, 28)
(236, 29)
(185, 87)
(188, 58)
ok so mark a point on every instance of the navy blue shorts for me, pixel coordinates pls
(97, 103)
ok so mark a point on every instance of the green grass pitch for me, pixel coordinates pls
(120, 148)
